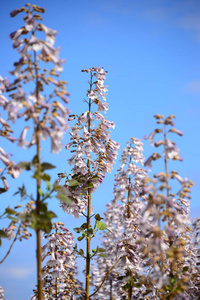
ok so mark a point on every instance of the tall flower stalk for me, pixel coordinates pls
(120, 241)
(168, 250)
(94, 154)
(60, 271)
(48, 115)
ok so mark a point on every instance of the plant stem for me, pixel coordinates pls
(106, 276)
(130, 273)
(38, 202)
(38, 235)
(111, 297)
(18, 230)
(88, 239)
(88, 248)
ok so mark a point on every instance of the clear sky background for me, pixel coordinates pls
(151, 52)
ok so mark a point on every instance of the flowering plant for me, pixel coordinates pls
(46, 115)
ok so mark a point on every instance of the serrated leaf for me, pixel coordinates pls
(47, 166)
(3, 234)
(24, 165)
(100, 225)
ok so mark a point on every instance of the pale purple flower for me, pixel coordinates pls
(30, 23)
(22, 143)
(50, 33)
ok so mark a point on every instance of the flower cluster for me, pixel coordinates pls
(59, 272)
(94, 152)
(169, 253)
(5, 131)
(122, 219)
(47, 113)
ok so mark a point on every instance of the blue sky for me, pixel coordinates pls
(151, 52)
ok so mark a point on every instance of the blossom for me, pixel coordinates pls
(49, 117)
(50, 33)
(122, 219)
(171, 150)
(2, 293)
(94, 152)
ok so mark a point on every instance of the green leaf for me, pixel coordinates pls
(25, 165)
(100, 225)
(3, 234)
(74, 182)
(64, 198)
(90, 231)
(47, 228)
(46, 177)
(84, 226)
(47, 166)
(51, 214)
(101, 249)
(81, 252)
(80, 238)
(98, 217)
(172, 280)
(13, 219)
(102, 255)
(43, 207)
(10, 211)
(35, 160)
(48, 185)
(77, 229)
(40, 192)
(90, 185)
